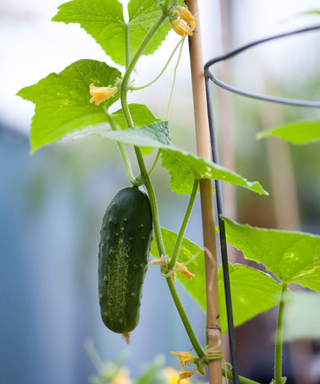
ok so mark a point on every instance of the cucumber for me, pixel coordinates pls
(126, 236)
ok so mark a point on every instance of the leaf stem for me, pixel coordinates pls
(164, 68)
(242, 380)
(126, 112)
(174, 77)
(125, 158)
(154, 163)
(126, 77)
(197, 347)
(153, 201)
(178, 242)
(279, 338)
(145, 175)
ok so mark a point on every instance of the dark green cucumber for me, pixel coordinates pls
(126, 236)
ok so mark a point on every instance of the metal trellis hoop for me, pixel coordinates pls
(223, 244)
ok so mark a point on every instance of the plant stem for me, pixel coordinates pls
(126, 78)
(146, 178)
(242, 380)
(126, 112)
(279, 337)
(125, 158)
(154, 163)
(198, 349)
(164, 68)
(174, 77)
(153, 201)
(178, 242)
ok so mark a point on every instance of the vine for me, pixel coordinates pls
(64, 106)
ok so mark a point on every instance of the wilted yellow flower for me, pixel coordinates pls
(126, 337)
(182, 21)
(161, 260)
(181, 28)
(185, 271)
(100, 94)
(187, 17)
(172, 376)
(185, 374)
(185, 358)
(122, 377)
(174, 277)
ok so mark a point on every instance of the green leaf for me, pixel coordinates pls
(302, 317)
(300, 132)
(141, 115)
(104, 21)
(252, 291)
(63, 101)
(293, 257)
(183, 166)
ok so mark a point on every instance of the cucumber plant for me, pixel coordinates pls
(80, 97)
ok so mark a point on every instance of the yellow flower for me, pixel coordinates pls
(182, 22)
(122, 377)
(187, 17)
(185, 374)
(174, 277)
(161, 260)
(100, 94)
(181, 28)
(172, 376)
(185, 358)
(185, 271)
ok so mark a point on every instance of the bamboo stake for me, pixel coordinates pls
(206, 196)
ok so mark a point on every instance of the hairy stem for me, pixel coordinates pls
(154, 163)
(153, 201)
(279, 338)
(125, 158)
(178, 242)
(198, 349)
(242, 380)
(174, 77)
(126, 78)
(146, 178)
(126, 112)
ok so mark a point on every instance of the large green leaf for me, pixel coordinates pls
(293, 257)
(252, 291)
(299, 132)
(183, 166)
(302, 317)
(63, 101)
(104, 21)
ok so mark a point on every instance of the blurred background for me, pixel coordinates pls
(52, 203)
